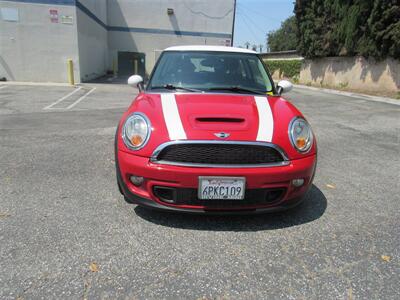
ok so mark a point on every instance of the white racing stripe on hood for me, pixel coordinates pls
(266, 121)
(172, 117)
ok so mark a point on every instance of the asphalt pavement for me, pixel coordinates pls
(66, 232)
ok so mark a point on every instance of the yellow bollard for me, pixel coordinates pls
(70, 71)
(115, 67)
(135, 66)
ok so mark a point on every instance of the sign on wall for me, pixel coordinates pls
(9, 14)
(225, 42)
(53, 15)
(67, 20)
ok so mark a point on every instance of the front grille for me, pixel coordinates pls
(253, 197)
(220, 154)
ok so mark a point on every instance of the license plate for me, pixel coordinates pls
(223, 188)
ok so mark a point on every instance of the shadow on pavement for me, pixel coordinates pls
(311, 209)
(109, 79)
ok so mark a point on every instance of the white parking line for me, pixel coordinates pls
(81, 98)
(63, 98)
(3, 87)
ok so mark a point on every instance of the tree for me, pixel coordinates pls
(285, 38)
(348, 28)
(381, 36)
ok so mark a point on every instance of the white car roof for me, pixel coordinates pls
(210, 48)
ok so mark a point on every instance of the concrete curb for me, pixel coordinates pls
(35, 83)
(350, 94)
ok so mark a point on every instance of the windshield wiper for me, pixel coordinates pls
(237, 89)
(173, 87)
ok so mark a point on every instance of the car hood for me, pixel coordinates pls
(205, 116)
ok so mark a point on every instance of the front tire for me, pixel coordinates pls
(119, 187)
(116, 162)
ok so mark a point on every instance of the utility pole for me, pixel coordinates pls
(233, 25)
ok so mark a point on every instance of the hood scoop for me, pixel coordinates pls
(219, 120)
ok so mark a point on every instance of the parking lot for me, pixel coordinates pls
(65, 231)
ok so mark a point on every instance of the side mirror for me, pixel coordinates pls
(284, 86)
(136, 81)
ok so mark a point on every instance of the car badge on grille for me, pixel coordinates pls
(222, 135)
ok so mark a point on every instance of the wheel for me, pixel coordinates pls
(120, 188)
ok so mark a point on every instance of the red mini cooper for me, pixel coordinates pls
(210, 133)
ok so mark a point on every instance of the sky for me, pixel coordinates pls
(255, 18)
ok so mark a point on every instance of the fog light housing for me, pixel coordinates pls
(298, 182)
(136, 180)
(165, 194)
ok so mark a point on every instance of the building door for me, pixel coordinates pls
(131, 63)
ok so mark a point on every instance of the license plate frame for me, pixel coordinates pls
(223, 182)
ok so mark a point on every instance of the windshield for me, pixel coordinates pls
(210, 71)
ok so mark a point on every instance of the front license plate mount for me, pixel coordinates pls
(221, 188)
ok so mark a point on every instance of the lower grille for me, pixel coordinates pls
(253, 197)
(222, 153)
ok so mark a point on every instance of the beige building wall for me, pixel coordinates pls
(33, 48)
(196, 22)
(355, 73)
(93, 40)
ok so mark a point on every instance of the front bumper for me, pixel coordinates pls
(177, 177)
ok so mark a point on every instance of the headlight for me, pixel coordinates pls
(300, 134)
(136, 131)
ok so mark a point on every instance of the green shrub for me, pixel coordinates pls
(285, 38)
(348, 28)
(287, 68)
